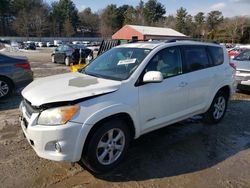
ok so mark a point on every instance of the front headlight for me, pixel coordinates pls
(57, 116)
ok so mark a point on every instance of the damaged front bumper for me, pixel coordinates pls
(51, 142)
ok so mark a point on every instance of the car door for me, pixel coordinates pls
(165, 102)
(200, 75)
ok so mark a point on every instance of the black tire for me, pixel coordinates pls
(217, 110)
(67, 61)
(90, 155)
(53, 59)
(6, 87)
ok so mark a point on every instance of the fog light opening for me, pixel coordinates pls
(58, 147)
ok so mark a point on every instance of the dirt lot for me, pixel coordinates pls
(187, 154)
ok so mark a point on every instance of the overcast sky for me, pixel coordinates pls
(229, 8)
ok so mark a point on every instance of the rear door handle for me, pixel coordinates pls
(183, 84)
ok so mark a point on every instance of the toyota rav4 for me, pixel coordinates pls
(92, 115)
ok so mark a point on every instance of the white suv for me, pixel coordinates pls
(91, 116)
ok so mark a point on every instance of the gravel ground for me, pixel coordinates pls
(187, 154)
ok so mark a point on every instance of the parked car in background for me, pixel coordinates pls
(93, 115)
(50, 44)
(71, 54)
(76, 42)
(242, 62)
(57, 43)
(42, 44)
(21, 45)
(14, 46)
(29, 46)
(15, 74)
(237, 50)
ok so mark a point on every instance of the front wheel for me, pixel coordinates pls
(107, 146)
(217, 109)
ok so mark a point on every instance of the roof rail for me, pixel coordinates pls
(191, 39)
(139, 40)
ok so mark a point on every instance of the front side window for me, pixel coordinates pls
(195, 57)
(117, 63)
(167, 61)
(244, 56)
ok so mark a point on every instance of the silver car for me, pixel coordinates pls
(242, 62)
(15, 74)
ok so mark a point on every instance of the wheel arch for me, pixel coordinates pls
(9, 79)
(121, 116)
(225, 89)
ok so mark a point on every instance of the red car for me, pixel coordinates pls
(235, 51)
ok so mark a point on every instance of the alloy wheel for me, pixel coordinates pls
(4, 88)
(219, 107)
(110, 146)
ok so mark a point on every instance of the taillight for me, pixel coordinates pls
(232, 65)
(23, 65)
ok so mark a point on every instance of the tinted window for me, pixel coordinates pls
(167, 61)
(195, 57)
(66, 48)
(59, 48)
(216, 54)
(244, 56)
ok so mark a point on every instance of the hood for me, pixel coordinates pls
(67, 87)
(242, 65)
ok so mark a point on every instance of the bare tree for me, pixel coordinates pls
(22, 24)
(234, 28)
(39, 21)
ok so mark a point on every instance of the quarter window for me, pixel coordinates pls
(196, 57)
(216, 54)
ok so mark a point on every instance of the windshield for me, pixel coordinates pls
(117, 63)
(244, 56)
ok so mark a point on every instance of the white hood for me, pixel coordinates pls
(67, 87)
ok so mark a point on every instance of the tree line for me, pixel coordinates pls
(62, 19)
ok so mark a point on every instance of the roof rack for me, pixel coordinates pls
(191, 39)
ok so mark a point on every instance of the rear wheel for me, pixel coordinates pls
(5, 88)
(107, 146)
(67, 61)
(217, 109)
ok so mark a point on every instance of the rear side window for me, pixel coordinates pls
(195, 57)
(216, 54)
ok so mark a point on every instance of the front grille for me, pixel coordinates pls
(29, 108)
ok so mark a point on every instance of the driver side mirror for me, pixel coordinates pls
(153, 77)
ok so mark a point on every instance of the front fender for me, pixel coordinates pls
(98, 116)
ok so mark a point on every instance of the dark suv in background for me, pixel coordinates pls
(71, 54)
